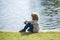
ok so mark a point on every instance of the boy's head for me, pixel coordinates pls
(34, 16)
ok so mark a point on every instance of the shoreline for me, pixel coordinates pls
(39, 31)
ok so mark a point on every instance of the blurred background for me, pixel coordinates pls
(13, 13)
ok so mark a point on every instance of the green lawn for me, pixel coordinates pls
(30, 36)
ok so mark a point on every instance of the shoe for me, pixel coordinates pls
(22, 31)
(30, 31)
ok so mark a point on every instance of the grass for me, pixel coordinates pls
(30, 36)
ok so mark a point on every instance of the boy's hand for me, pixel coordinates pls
(25, 22)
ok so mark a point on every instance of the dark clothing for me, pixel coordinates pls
(30, 26)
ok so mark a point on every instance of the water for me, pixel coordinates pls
(51, 14)
(14, 12)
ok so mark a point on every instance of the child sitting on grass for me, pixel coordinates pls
(32, 25)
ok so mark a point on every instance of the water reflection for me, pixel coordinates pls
(51, 13)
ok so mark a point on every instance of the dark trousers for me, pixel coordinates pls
(30, 26)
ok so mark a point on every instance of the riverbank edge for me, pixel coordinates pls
(39, 31)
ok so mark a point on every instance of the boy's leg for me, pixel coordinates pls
(28, 25)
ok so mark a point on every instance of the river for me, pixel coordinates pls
(13, 13)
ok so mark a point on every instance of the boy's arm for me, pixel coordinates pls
(26, 22)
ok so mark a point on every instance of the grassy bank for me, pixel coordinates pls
(29, 36)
